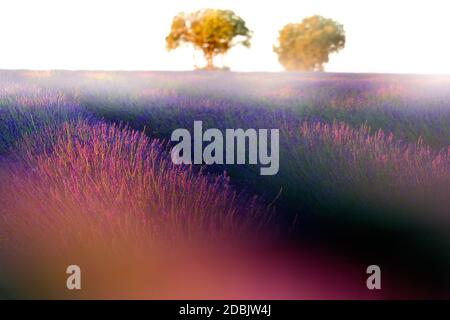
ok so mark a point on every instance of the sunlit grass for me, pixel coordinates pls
(85, 163)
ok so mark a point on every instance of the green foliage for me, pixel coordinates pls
(306, 46)
(212, 31)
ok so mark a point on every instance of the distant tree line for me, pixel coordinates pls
(303, 46)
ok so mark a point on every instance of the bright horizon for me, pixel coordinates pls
(382, 36)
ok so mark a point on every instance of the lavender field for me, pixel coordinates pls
(86, 176)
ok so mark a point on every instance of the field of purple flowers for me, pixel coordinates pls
(364, 167)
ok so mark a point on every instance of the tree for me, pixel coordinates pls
(212, 31)
(306, 46)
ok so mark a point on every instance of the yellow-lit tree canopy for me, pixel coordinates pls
(212, 31)
(306, 46)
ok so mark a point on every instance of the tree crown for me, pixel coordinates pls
(213, 31)
(306, 46)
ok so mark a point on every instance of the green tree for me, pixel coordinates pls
(306, 46)
(212, 31)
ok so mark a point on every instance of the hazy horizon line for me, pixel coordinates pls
(226, 71)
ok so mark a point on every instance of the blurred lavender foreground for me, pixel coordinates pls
(86, 176)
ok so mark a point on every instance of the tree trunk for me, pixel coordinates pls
(209, 61)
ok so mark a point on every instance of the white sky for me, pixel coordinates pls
(396, 36)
